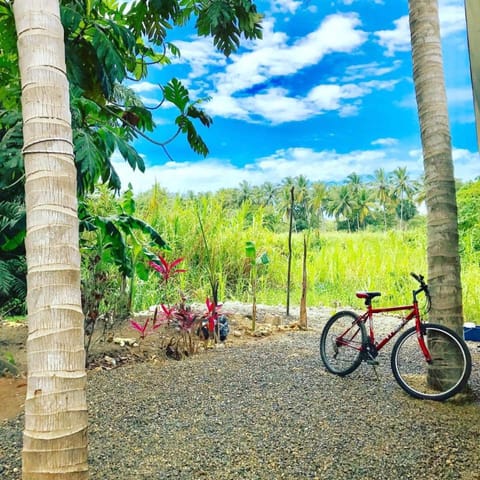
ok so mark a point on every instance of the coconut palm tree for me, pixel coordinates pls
(403, 188)
(244, 192)
(340, 203)
(55, 350)
(442, 231)
(382, 188)
(318, 194)
(363, 205)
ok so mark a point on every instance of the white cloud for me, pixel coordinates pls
(274, 56)
(396, 40)
(143, 87)
(452, 20)
(460, 95)
(466, 164)
(369, 70)
(325, 165)
(351, 2)
(200, 54)
(285, 6)
(276, 105)
(386, 142)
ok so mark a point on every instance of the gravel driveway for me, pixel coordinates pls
(267, 410)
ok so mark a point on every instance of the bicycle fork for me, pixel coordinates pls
(421, 332)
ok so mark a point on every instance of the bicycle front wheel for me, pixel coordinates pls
(443, 377)
(341, 343)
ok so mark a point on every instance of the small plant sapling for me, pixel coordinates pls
(254, 261)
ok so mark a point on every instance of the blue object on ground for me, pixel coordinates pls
(471, 332)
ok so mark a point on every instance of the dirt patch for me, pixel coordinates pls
(12, 396)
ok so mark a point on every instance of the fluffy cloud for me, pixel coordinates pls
(277, 105)
(452, 20)
(327, 165)
(242, 89)
(285, 6)
(385, 142)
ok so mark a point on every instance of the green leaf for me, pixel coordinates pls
(142, 271)
(130, 154)
(195, 141)
(177, 94)
(88, 158)
(250, 250)
(108, 54)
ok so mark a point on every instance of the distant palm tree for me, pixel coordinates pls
(302, 200)
(382, 191)
(354, 183)
(340, 203)
(403, 188)
(268, 193)
(244, 192)
(318, 199)
(363, 205)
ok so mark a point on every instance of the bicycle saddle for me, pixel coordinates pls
(368, 295)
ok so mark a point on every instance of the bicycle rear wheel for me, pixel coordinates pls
(444, 376)
(341, 343)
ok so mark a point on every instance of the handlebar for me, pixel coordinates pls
(419, 279)
(423, 288)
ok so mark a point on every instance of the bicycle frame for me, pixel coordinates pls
(414, 314)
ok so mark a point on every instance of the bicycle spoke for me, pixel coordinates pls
(341, 343)
(445, 375)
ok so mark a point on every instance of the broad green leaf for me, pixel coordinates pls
(177, 94)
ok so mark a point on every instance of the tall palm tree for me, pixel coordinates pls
(340, 203)
(55, 440)
(268, 192)
(318, 194)
(302, 199)
(403, 188)
(354, 183)
(382, 189)
(285, 196)
(244, 192)
(363, 205)
(442, 231)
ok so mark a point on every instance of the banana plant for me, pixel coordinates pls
(113, 244)
(255, 261)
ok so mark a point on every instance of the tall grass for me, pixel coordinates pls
(338, 264)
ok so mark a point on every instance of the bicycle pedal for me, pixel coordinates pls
(374, 363)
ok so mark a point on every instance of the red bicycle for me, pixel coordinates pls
(428, 361)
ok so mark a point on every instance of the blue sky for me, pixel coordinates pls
(328, 91)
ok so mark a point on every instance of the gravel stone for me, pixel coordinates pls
(268, 410)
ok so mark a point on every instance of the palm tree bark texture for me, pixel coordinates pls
(442, 230)
(55, 435)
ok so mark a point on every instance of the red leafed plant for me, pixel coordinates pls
(212, 313)
(179, 336)
(167, 269)
(141, 328)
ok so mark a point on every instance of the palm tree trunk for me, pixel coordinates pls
(55, 435)
(442, 230)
